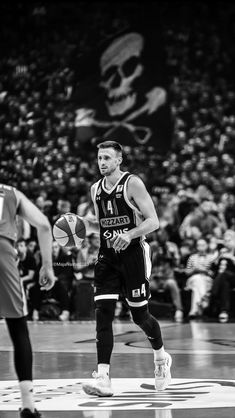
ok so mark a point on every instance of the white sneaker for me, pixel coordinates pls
(223, 317)
(179, 316)
(64, 316)
(101, 386)
(163, 372)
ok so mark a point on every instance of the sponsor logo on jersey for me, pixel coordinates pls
(109, 235)
(136, 293)
(115, 221)
(120, 188)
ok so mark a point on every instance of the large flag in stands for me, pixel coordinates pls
(122, 92)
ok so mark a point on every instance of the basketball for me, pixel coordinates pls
(69, 230)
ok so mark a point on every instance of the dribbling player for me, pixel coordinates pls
(12, 298)
(125, 214)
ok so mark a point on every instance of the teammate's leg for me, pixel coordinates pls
(23, 361)
(14, 309)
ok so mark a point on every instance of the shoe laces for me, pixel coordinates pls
(161, 368)
(98, 376)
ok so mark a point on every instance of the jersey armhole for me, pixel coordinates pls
(94, 199)
(127, 200)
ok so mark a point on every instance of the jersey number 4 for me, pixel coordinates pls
(110, 207)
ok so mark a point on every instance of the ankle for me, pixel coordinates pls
(159, 354)
(103, 369)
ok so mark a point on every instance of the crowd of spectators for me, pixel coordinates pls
(193, 185)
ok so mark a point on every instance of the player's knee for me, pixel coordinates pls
(140, 314)
(17, 328)
(104, 310)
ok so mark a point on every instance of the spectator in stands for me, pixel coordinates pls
(35, 292)
(33, 249)
(63, 206)
(84, 264)
(27, 268)
(229, 210)
(63, 266)
(63, 270)
(163, 247)
(202, 219)
(55, 304)
(224, 276)
(199, 280)
(163, 279)
(86, 258)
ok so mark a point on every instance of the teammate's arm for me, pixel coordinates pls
(92, 226)
(36, 218)
(138, 193)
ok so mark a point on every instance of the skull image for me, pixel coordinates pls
(120, 66)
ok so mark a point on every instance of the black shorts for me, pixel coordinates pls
(126, 273)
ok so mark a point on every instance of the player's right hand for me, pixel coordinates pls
(46, 278)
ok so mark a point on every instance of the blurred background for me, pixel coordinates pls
(158, 78)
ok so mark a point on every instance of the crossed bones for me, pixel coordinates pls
(155, 98)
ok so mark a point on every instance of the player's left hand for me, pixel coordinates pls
(120, 242)
(46, 278)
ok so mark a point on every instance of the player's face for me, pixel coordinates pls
(108, 161)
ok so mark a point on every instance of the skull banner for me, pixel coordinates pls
(130, 100)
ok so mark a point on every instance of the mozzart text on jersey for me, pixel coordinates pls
(117, 220)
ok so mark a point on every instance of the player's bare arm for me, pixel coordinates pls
(92, 226)
(36, 218)
(138, 194)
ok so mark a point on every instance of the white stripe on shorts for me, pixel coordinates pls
(111, 296)
(137, 304)
(24, 300)
(147, 260)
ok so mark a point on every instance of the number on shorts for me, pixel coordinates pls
(143, 290)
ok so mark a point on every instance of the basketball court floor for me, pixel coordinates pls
(203, 372)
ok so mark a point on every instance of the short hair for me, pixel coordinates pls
(110, 144)
(21, 239)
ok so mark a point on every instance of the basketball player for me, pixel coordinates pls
(12, 298)
(125, 214)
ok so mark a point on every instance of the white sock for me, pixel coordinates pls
(159, 354)
(26, 390)
(103, 369)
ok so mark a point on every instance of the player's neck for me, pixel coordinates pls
(113, 178)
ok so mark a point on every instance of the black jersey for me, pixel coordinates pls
(116, 213)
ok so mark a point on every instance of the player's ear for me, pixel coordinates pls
(120, 159)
